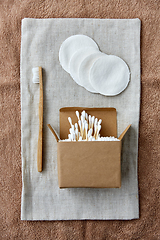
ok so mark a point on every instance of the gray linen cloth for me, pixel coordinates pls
(41, 40)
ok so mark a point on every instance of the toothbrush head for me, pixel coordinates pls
(35, 72)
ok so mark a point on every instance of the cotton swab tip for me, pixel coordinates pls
(100, 121)
(93, 119)
(70, 121)
(77, 114)
(84, 114)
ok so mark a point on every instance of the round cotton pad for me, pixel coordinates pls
(76, 61)
(109, 75)
(71, 45)
(84, 70)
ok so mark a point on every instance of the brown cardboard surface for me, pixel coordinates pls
(108, 116)
(53, 131)
(89, 164)
(124, 132)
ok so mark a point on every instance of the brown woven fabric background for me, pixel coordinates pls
(148, 226)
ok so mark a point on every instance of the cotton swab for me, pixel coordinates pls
(69, 137)
(87, 118)
(70, 121)
(71, 130)
(100, 121)
(90, 121)
(82, 132)
(96, 121)
(77, 114)
(84, 114)
(80, 125)
(88, 125)
(80, 138)
(86, 129)
(90, 138)
(91, 131)
(98, 130)
(76, 133)
(95, 129)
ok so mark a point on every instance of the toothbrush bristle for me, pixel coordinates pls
(35, 72)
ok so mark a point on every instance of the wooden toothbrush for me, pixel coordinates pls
(37, 78)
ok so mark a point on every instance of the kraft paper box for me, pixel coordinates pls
(92, 164)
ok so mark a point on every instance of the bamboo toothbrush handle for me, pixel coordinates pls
(39, 150)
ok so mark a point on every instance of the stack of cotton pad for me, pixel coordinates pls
(97, 72)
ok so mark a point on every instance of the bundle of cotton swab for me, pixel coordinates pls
(87, 129)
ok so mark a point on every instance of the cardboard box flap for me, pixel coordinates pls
(54, 132)
(108, 116)
(124, 132)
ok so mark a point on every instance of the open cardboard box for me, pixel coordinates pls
(93, 164)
